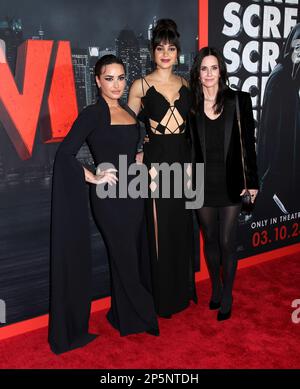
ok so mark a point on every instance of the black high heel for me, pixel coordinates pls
(214, 305)
(224, 316)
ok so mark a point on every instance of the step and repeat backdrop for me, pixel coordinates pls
(47, 55)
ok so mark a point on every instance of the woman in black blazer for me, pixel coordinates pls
(216, 142)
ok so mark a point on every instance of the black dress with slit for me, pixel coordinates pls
(121, 222)
(172, 254)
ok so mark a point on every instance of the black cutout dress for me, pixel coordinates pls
(173, 271)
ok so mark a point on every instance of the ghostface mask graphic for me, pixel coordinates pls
(295, 57)
(292, 50)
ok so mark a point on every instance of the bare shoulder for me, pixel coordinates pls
(136, 88)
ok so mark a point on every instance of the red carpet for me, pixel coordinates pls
(260, 333)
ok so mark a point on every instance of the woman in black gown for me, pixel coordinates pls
(216, 141)
(110, 131)
(165, 101)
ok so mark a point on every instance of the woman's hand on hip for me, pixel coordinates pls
(105, 176)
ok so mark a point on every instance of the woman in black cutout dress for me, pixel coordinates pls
(120, 220)
(170, 224)
(216, 142)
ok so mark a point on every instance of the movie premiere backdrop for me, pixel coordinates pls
(47, 54)
(260, 41)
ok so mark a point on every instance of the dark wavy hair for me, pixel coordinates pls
(165, 31)
(195, 84)
(107, 59)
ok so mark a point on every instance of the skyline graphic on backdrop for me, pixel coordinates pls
(133, 48)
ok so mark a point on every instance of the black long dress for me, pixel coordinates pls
(173, 273)
(122, 224)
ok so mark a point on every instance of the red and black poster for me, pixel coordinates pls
(260, 41)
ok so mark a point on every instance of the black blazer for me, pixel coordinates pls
(232, 147)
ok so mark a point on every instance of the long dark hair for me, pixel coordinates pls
(107, 59)
(165, 31)
(195, 84)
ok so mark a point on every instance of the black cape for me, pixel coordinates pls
(71, 259)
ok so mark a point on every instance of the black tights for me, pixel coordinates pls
(219, 226)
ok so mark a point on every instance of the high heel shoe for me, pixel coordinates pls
(214, 305)
(224, 316)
